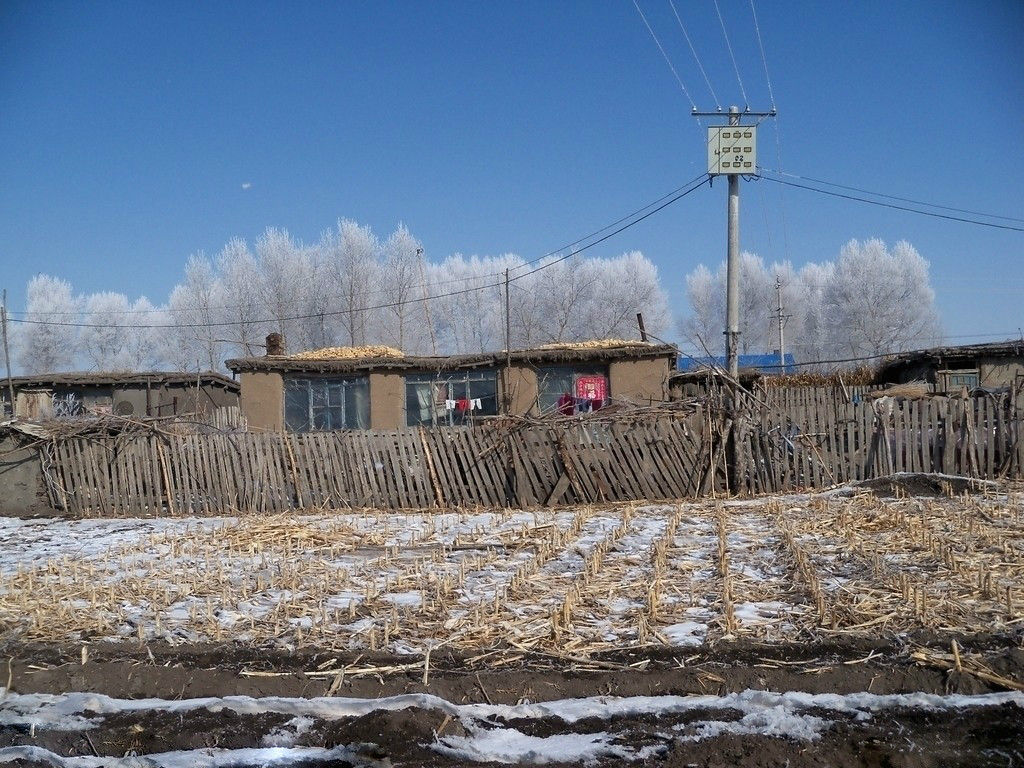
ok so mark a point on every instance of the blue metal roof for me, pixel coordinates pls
(762, 363)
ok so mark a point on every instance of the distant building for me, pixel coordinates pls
(379, 388)
(765, 364)
(47, 395)
(995, 365)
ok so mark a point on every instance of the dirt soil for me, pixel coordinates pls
(901, 737)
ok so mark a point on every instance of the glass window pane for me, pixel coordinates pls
(418, 403)
(552, 384)
(296, 406)
(357, 405)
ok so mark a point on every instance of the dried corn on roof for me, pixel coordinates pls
(594, 344)
(348, 353)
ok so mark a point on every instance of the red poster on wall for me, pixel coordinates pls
(592, 388)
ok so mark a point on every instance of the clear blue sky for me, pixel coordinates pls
(128, 129)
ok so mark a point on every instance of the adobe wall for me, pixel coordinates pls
(22, 493)
(262, 400)
(387, 401)
(520, 382)
(999, 372)
(639, 381)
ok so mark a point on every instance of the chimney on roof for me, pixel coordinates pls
(275, 344)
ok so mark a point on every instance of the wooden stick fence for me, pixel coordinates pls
(746, 446)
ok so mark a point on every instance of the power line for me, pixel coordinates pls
(764, 59)
(746, 101)
(693, 50)
(780, 172)
(222, 324)
(896, 207)
(665, 55)
(524, 265)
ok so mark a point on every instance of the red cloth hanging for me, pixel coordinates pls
(566, 404)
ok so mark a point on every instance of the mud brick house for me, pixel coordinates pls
(381, 388)
(996, 365)
(126, 394)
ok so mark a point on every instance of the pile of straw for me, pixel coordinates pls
(348, 353)
(594, 344)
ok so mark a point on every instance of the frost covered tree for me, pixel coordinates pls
(879, 300)
(45, 343)
(104, 339)
(240, 286)
(870, 300)
(193, 340)
(348, 288)
(400, 320)
(352, 253)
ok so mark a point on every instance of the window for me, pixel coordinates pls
(325, 404)
(954, 381)
(571, 389)
(450, 399)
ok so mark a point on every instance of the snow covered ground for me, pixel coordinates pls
(574, 580)
(487, 731)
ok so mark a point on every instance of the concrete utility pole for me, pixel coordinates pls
(733, 153)
(782, 323)
(732, 292)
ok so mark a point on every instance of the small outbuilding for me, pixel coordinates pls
(996, 365)
(48, 395)
(382, 388)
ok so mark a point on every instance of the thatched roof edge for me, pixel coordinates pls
(112, 378)
(451, 362)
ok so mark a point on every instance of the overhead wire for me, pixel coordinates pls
(220, 324)
(700, 64)
(891, 205)
(764, 59)
(665, 55)
(728, 45)
(780, 172)
(524, 265)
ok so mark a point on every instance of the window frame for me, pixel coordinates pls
(442, 417)
(333, 396)
(575, 372)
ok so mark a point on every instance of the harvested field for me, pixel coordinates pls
(877, 617)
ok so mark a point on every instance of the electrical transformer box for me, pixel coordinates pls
(732, 149)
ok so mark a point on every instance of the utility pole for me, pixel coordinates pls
(732, 291)
(782, 323)
(7, 351)
(508, 348)
(732, 152)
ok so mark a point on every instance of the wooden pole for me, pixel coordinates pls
(7, 351)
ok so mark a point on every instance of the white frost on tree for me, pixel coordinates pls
(348, 288)
(871, 300)
(880, 300)
(45, 343)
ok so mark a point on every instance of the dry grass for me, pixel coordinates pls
(595, 344)
(348, 353)
(572, 581)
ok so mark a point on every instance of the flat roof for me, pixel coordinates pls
(129, 378)
(551, 355)
(944, 355)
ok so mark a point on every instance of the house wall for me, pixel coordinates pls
(639, 381)
(992, 371)
(999, 372)
(262, 400)
(520, 382)
(22, 493)
(387, 400)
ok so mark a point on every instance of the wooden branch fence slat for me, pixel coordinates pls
(812, 441)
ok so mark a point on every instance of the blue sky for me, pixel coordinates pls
(127, 131)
